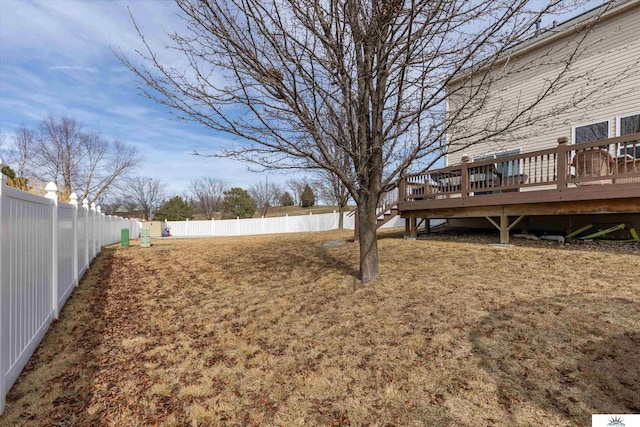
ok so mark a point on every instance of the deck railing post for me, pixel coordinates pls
(464, 176)
(402, 190)
(563, 162)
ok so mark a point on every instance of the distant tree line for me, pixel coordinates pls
(207, 198)
(59, 149)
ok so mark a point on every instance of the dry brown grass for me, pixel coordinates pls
(274, 330)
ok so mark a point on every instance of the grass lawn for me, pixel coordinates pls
(273, 330)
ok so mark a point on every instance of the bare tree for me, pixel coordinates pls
(266, 194)
(61, 151)
(333, 190)
(208, 194)
(272, 71)
(148, 193)
(329, 184)
(296, 187)
(24, 149)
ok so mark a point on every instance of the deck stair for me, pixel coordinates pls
(386, 214)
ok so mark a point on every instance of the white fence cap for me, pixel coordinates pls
(51, 190)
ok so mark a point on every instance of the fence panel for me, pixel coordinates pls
(44, 247)
(26, 310)
(90, 228)
(251, 226)
(81, 240)
(66, 263)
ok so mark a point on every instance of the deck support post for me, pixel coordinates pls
(504, 229)
(504, 226)
(411, 228)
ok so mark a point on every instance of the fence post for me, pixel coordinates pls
(85, 207)
(3, 302)
(100, 229)
(74, 201)
(52, 189)
(94, 230)
(286, 223)
(213, 227)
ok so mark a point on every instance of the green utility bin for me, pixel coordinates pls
(124, 237)
(145, 238)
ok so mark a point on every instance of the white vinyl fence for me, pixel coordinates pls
(45, 246)
(283, 224)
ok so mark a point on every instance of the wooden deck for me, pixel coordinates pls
(597, 177)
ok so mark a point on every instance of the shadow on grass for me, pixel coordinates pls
(74, 336)
(309, 262)
(339, 263)
(573, 355)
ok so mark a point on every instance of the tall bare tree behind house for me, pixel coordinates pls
(271, 72)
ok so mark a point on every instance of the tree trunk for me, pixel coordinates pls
(369, 270)
(341, 217)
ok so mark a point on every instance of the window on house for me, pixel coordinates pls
(506, 169)
(487, 173)
(626, 126)
(591, 132)
(509, 168)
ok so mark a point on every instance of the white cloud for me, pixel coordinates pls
(56, 57)
(82, 30)
(73, 68)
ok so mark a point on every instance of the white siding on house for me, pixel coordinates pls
(607, 60)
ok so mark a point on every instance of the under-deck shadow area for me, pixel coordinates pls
(573, 355)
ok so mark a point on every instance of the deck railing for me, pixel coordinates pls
(606, 161)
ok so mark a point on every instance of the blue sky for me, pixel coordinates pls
(56, 58)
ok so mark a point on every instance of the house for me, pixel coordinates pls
(597, 95)
(571, 152)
